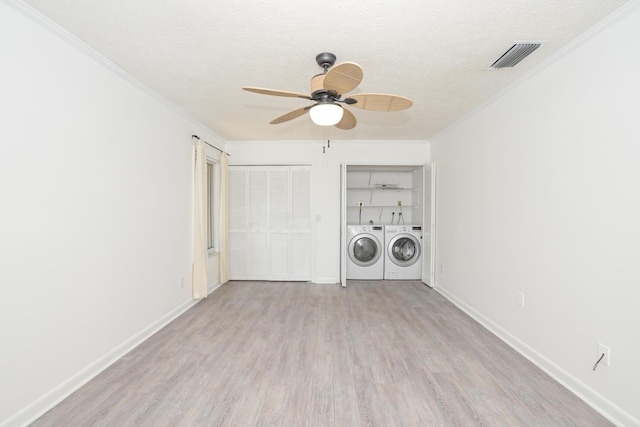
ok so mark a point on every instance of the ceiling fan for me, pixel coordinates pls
(327, 90)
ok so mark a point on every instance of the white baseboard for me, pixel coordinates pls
(37, 408)
(326, 280)
(594, 399)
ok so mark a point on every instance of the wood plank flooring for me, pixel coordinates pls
(298, 354)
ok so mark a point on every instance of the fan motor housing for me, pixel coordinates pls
(319, 93)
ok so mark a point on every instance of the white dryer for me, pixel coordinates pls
(365, 248)
(403, 252)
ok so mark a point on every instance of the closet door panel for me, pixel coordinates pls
(279, 198)
(237, 255)
(279, 256)
(279, 195)
(257, 256)
(300, 231)
(237, 198)
(300, 255)
(257, 223)
(300, 198)
(257, 199)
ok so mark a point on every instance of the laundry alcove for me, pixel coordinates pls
(387, 195)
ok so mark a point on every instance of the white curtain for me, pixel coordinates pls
(224, 218)
(200, 252)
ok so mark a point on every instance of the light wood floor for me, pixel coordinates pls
(297, 354)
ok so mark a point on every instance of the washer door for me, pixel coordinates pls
(364, 250)
(404, 250)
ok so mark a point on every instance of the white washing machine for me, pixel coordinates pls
(403, 252)
(365, 249)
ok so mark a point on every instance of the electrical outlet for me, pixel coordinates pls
(521, 299)
(603, 349)
(360, 204)
(399, 202)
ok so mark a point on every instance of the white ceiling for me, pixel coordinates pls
(199, 53)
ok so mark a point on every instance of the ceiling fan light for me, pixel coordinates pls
(327, 114)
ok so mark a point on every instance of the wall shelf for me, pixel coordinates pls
(380, 193)
(383, 206)
(381, 189)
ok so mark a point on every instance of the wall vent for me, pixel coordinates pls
(514, 55)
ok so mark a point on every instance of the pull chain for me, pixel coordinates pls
(324, 147)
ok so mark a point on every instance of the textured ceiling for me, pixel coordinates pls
(199, 53)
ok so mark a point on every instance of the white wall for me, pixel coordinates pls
(325, 182)
(539, 192)
(95, 224)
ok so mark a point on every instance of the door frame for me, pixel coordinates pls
(429, 224)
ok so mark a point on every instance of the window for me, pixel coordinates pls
(212, 192)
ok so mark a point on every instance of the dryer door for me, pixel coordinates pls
(364, 250)
(404, 250)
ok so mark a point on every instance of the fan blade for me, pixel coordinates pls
(274, 92)
(290, 115)
(348, 120)
(343, 77)
(381, 102)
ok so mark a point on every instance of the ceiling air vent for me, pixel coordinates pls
(515, 54)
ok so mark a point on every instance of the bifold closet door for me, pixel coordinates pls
(300, 225)
(269, 223)
(290, 223)
(257, 223)
(279, 197)
(248, 223)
